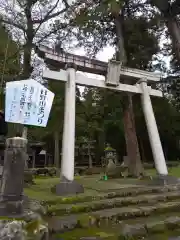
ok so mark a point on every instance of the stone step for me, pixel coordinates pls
(150, 229)
(63, 209)
(123, 192)
(118, 214)
(166, 228)
(110, 216)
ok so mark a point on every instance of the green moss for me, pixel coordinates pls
(111, 234)
(11, 219)
(42, 191)
(94, 190)
(91, 232)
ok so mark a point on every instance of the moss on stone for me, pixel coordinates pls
(90, 232)
(155, 227)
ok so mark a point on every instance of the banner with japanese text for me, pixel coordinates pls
(28, 102)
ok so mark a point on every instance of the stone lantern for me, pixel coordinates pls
(110, 159)
(110, 154)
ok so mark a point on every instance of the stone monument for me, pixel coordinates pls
(12, 183)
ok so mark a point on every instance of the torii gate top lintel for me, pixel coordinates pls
(58, 61)
(116, 77)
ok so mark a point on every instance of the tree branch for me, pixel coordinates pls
(162, 5)
(50, 15)
(66, 3)
(41, 21)
(10, 22)
(50, 33)
(20, 3)
(175, 8)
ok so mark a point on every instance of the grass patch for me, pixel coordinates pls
(41, 191)
(94, 188)
(111, 234)
(90, 232)
(174, 171)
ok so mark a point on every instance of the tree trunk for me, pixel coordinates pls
(135, 166)
(34, 159)
(27, 68)
(89, 156)
(56, 152)
(174, 31)
(142, 150)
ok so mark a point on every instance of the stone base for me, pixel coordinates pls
(66, 187)
(12, 209)
(163, 180)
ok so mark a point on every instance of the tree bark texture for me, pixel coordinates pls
(170, 12)
(135, 166)
(173, 26)
(89, 156)
(56, 151)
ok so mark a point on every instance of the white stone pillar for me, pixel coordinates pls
(154, 138)
(67, 161)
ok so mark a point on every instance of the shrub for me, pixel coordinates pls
(44, 171)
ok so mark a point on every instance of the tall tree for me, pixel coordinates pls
(170, 11)
(32, 22)
(9, 59)
(9, 54)
(101, 23)
(135, 165)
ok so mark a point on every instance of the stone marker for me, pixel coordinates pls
(12, 183)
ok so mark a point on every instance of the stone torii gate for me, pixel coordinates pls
(116, 78)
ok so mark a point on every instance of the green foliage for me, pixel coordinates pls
(12, 65)
(141, 33)
(99, 114)
(56, 118)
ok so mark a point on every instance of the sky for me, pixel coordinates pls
(104, 55)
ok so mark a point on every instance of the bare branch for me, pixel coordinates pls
(53, 31)
(66, 3)
(175, 8)
(20, 3)
(46, 17)
(40, 21)
(50, 15)
(10, 22)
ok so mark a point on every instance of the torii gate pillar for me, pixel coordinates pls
(67, 183)
(163, 178)
(154, 138)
